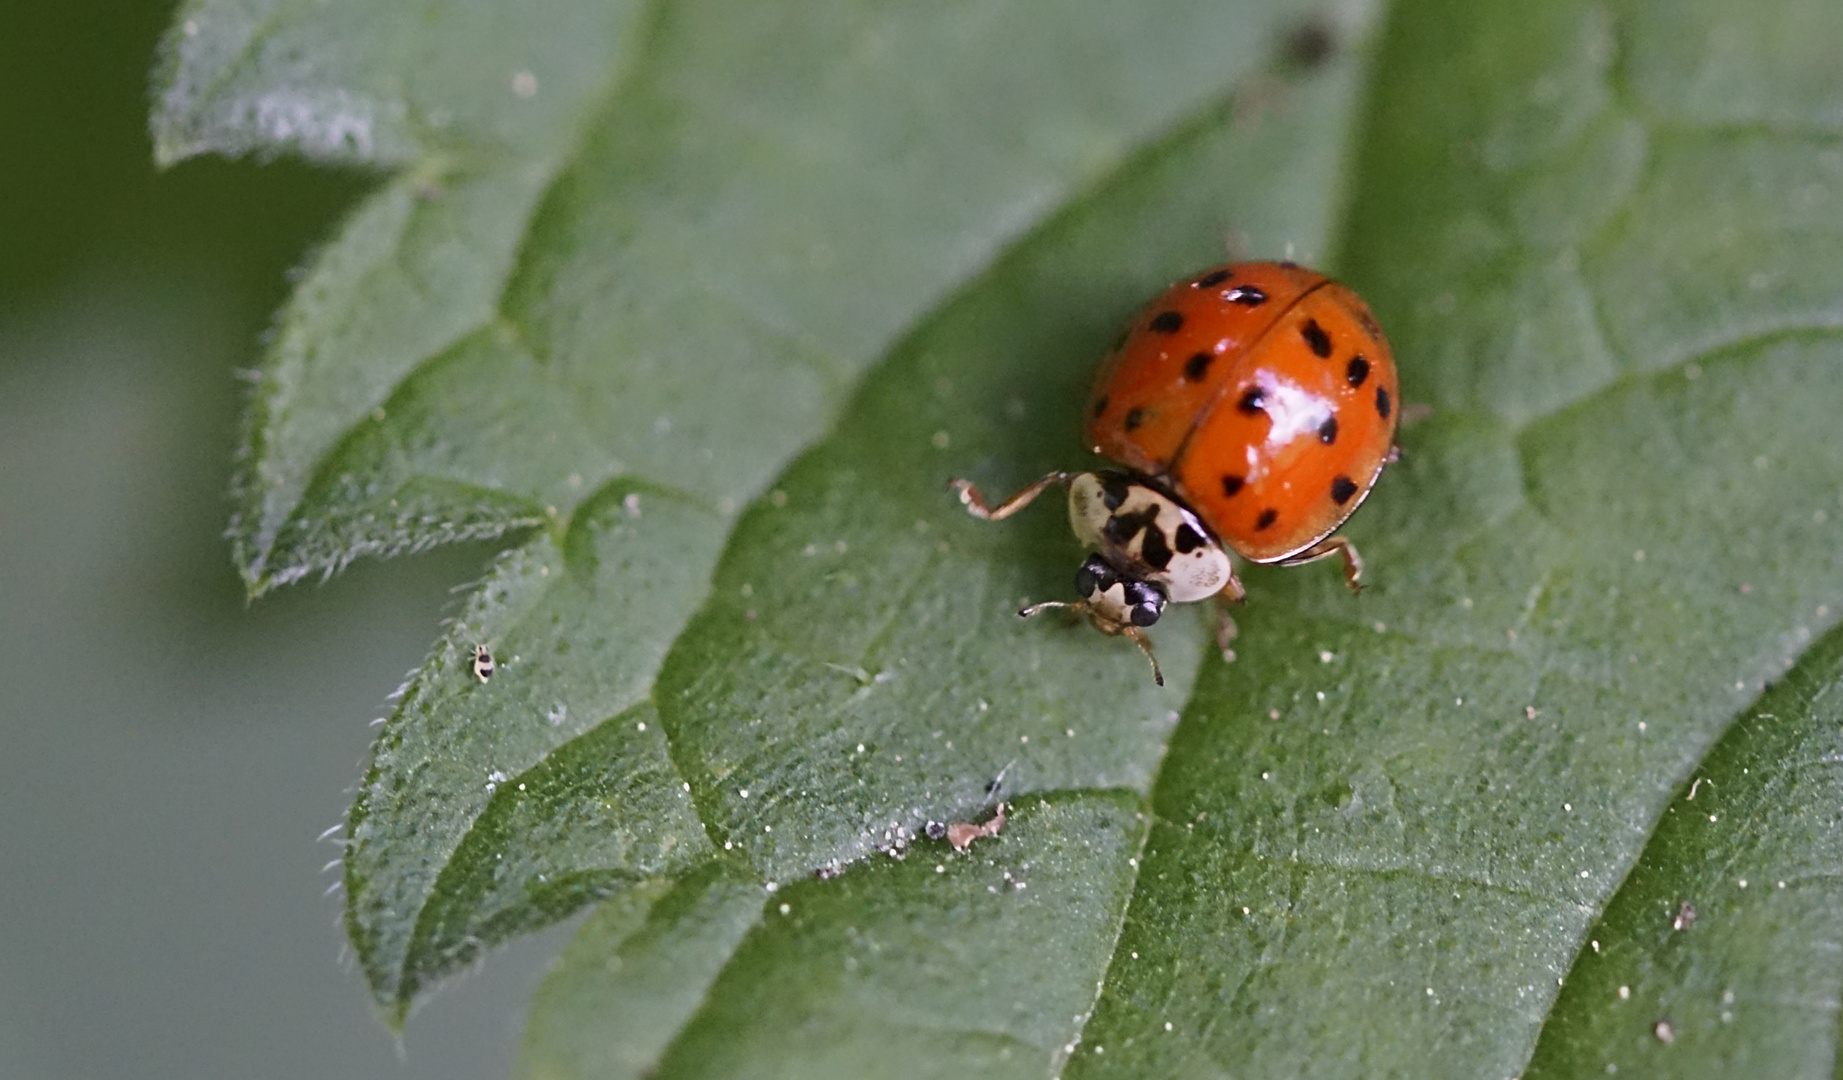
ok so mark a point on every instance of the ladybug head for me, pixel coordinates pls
(1117, 603)
(1114, 597)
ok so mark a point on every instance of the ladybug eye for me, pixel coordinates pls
(1094, 577)
(1145, 603)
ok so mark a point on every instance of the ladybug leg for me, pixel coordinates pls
(975, 503)
(1226, 630)
(1145, 646)
(1335, 545)
(1232, 595)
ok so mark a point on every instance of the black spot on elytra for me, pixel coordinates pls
(1327, 431)
(1342, 489)
(1134, 417)
(1316, 339)
(1100, 407)
(1382, 402)
(1267, 518)
(1113, 490)
(1245, 295)
(1154, 549)
(1253, 400)
(1197, 366)
(1188, 539)
(1356, 371)
(1166, 322)
(1212, 279)
(1232, 485)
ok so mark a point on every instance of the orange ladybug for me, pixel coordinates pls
(1253, 407)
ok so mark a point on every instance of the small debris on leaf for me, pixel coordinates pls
(962, 833)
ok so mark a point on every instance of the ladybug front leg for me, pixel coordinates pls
(1139, 638)
(976, 505)
(1231, 595)
(1335, 545)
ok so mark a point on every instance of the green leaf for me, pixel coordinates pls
(908, 962)
(653, 306)
(1719, 955)
(1605, 242)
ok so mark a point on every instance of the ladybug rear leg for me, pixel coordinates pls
(1334, 545)
(976, 505)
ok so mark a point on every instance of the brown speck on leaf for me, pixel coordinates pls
(1685, 917)
(1311, 43)
(962, 833)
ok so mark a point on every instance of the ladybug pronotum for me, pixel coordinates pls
(1252, 408)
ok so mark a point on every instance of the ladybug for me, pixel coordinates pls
(1252, 408)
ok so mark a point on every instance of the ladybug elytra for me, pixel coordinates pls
(1252, 408)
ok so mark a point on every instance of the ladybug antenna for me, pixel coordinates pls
(1137, 635)
(1046, 605)
(1145, 646)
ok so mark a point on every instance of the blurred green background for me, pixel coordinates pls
(169, 753)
